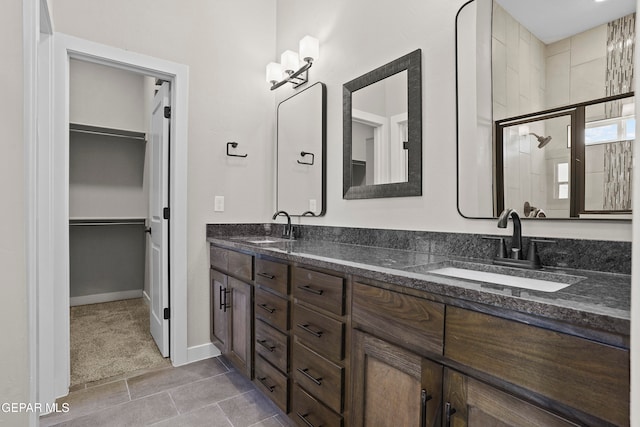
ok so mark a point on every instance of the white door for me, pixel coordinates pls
(158, 201)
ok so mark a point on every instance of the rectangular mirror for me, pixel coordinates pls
(521, 66)
(382, 131)
(301, 152)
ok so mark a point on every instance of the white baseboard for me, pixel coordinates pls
(110, 296)
(146, 297)
(201, 352)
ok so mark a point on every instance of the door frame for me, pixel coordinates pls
(53, 206)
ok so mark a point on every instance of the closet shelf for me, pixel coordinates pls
(110, 221)
(96, 130)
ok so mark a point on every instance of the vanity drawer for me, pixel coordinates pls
(272, 345)
(219, 258)
(272, 275)
(321, 377)
(272, 382)
(580, 373)
(307, 411)
(322, 290)
(235, 263)
(240, 265)
(272, 309)
(319, 332)
(400, 318)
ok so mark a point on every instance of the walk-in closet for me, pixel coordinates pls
(108, 205)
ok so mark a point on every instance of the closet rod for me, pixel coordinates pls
(107, 223)
(95, 130)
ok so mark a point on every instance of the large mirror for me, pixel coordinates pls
(301, 152)
(382, 131)
(546, 118)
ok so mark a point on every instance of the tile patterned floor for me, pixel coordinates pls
(206, 393)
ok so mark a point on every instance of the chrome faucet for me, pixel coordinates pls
(516, 240)
(288, 229)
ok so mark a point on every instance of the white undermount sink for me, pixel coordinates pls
(259, 241)
(501, 279)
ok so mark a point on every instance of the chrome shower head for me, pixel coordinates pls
(542, 140)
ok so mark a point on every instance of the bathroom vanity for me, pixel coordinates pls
(342, 335)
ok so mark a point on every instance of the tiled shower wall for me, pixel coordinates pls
(619, 79)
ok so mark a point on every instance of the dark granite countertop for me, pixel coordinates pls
(593, 300)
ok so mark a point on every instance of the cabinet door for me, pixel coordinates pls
(239, 342)
(219, 309)
(468, 402)
(393, 386)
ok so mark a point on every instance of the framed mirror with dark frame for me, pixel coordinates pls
(382, 131)
(301, 152)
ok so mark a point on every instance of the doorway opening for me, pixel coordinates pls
(110, 165)
(53, 204)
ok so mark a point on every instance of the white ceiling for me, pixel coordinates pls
(553, 20)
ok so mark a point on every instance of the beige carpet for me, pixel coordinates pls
(111, 339)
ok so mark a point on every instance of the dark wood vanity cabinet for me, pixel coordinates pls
(439, 364)
(393, 382)
(393, 386)
(231, 306)
(587, 376)
(468, 402)
(336, 350)
(272, 348)
(319, 352)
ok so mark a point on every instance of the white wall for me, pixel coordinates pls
(358, 36)
(226, 45)
(14, 383)
(106, 178)
(106, 97)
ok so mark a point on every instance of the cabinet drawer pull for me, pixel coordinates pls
(448, 411)
(265, 345)
(263, 380)
(223, 298)
(266, 276)
(306, 373)
(306, 328)
(305, 420)
(265, 307)
(309, 289)
(424, 398)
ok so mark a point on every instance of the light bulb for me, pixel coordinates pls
(290, 62)
(309, 49)
(274, 72)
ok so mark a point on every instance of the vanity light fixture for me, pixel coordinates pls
(294, 67)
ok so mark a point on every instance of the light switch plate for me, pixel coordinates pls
(218, 204)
